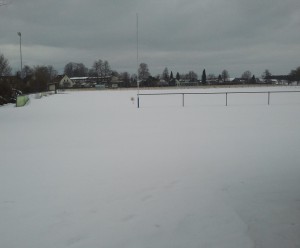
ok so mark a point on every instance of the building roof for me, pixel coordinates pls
(58, 78)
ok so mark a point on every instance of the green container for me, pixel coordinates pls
(21, 101)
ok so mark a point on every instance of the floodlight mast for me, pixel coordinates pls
(21, 73)
(137, 59)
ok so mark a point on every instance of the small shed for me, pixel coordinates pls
(53, 87)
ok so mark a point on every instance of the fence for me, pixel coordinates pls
(226, 95)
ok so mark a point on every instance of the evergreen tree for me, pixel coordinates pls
(172, 80)
(178, 76)
(204, 77)
(165, 74)
(253, 80)
(219, 78)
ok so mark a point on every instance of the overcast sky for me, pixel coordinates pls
(183, 35)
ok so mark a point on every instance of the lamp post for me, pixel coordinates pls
(21, 73)
(137, 60)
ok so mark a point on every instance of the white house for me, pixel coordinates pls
(63, 81)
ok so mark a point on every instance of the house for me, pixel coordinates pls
(63, 81)
(278, 79)
(239, 80)
(188, 83)
(87, 82)
(162, 82)
(115, 82)
(79, 81)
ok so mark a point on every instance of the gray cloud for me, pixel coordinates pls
(183, 35)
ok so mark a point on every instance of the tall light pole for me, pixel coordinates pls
(137, 59)
(21, 73)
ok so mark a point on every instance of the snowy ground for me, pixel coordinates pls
(90, 170)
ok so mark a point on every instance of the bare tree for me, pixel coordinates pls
(247, 75)
(133, 79)
(5, 69)
(114, 73)
(5, 87)
(27, 71)
(295, 74)
(52, 72)
(192, 76)
(266, 74)
(42, 76)
(106, 69)
(225, 75)
(211, 76)
(98, 69)
(75, 70)
(125, 79)
(143, 71)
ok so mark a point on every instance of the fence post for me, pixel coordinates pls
(138, 101)
(182, 99)
(268, 97)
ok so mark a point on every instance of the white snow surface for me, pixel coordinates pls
(89, 169)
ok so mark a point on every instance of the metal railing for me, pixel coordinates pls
(226, 94)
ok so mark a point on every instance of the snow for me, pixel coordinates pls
(90, 169)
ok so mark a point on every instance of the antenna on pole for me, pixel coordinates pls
(137, 59)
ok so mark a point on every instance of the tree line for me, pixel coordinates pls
(37, 78)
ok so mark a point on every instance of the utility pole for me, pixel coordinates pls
(137, 59)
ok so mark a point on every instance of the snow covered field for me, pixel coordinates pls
(90, 170)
